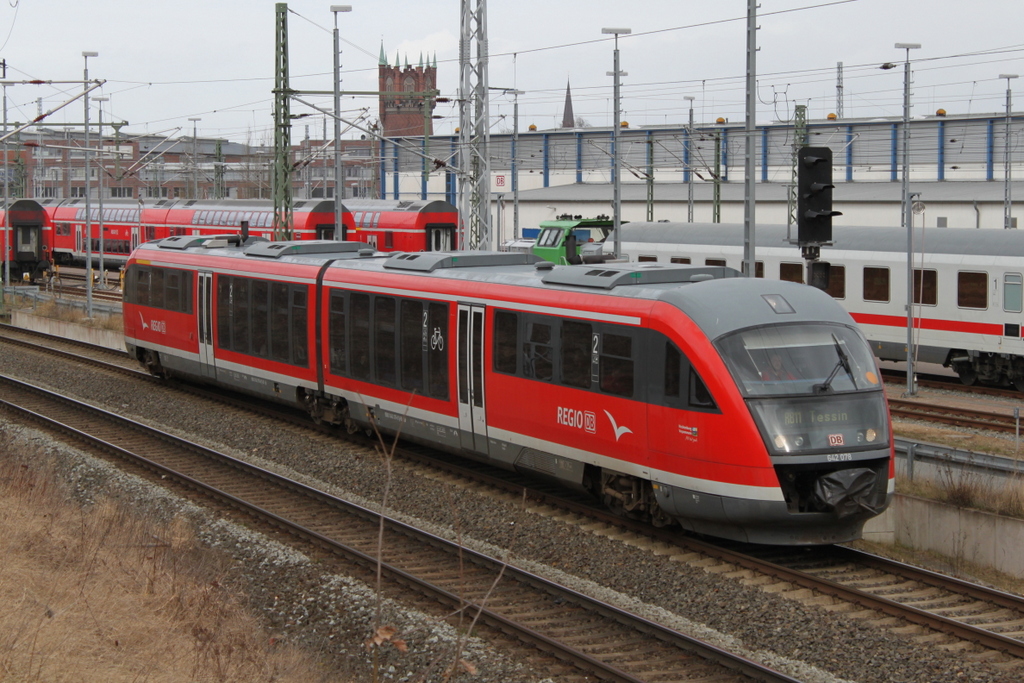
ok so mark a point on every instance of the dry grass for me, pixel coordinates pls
(104, 594)
(75, 315)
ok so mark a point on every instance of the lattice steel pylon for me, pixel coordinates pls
(474, 196)
(281, 183)
(799, 140)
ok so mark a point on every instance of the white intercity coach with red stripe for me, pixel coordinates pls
(742, 408)
(968, 285)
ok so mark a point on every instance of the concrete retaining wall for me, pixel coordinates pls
(111, 339)
(979, 537)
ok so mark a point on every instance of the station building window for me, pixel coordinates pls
(714, 262)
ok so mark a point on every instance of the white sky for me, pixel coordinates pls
(167, 61)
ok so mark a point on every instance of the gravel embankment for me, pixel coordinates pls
(332, 614)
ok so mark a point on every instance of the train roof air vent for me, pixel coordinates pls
(303, 248)
(182, 242)
(429, 261)
(610, 276)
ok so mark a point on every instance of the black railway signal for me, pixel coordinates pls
(814, 196)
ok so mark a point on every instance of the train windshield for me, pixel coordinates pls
(800, 359)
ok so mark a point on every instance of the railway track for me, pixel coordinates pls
(921, 604)
(953, 415)
(595, 637)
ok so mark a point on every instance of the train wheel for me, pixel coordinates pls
(968, 376)
(151, 359)
(1019, 383)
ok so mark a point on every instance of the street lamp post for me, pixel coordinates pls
(689, 163)
(195, 158)
(1007, 202)
(616, 186)
(908, 217)
(88, 215)
(339, 228)
(103, 167)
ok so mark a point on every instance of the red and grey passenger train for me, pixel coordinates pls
(54, 230)
(968, 285)
(741, 408)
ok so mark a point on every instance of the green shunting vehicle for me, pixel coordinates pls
(561, 240)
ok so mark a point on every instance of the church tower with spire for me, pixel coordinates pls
(403, 114)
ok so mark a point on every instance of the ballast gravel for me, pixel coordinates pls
(332, 614)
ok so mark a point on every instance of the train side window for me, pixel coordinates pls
(336, 330)
(1012, 292)
(837, 282)
(384, 339)
(680, 259)
(926, 287)
(537, 352)
(260, 318)
(876, 284)
(437, 356)
(376, 220)
(506, 341)
(143, 284)
(240, 316)
(299, 326)
(673, 370)
(575, 352)
(791, 272)
(700, 397)
(172, 289)
(714, 262)
(647, 259)
(389, 239)
(156, 290)
(971, 289)
(359, 310)
(279, 331)
(357, 218)
(225, 300)
(616, 364)
(414, 339)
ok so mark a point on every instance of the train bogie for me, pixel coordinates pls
(642, 385)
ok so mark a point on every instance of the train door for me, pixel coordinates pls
(439, 238)
(79, 241)
(472, 411)
(134, 238)
(205, 321)
(325, 231)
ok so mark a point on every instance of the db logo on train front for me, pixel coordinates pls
(835, 439)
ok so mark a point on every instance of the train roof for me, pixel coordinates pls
(717, 298)
(408, 205)
(954, 241)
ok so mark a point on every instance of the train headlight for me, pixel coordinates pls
(870, 435)
(780, 442)
(798, 441)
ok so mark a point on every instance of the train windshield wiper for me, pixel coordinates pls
(843, 362)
